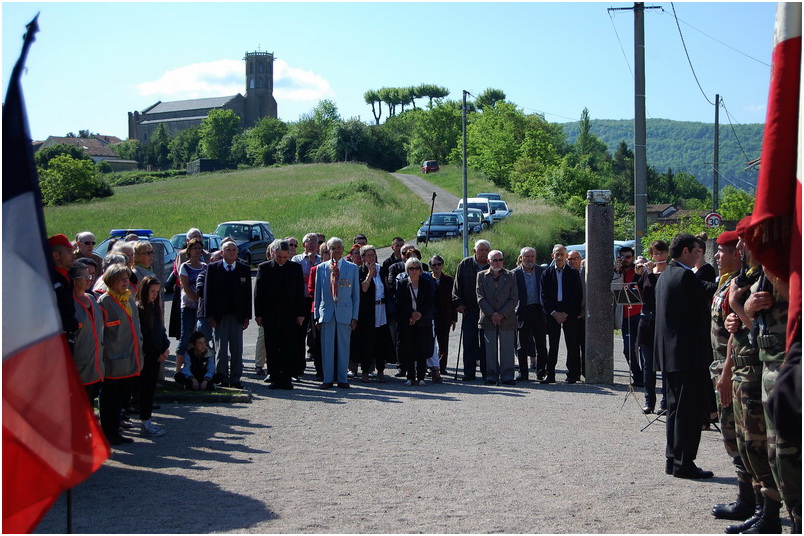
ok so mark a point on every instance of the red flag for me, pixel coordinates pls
(51, 438)
(774, 236)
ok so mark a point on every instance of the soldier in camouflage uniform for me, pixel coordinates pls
(769, 332)
(728, 259)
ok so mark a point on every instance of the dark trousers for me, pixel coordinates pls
(570, 328)
(416, 347)
(582, 343)
(649, 375)
(531, 339)
(111, 399)
(686, 395)
(442, 337)
(630, 348)
(281, 352)
(92, 391)
(474, 346)
(148, 377)
(301, 359)
(374, 345)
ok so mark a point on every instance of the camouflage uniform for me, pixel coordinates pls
(784, 456)
(720, 339)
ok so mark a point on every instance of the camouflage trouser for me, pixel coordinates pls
(749, 418)
(784, 455)
(727, 427)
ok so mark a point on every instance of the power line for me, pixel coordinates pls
(729, 117)
(719, 41)
(625, 57)
(688, 55)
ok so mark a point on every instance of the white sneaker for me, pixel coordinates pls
(149, 429)
(422, 383)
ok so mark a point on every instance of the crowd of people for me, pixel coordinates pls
(715, 342)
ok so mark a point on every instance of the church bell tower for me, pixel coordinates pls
(260, 100)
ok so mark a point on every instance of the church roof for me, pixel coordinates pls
(192, 104)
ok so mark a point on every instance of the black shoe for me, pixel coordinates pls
(260, 371)
(288, 386)
(661, 411)
(468, 378)
(119, 439)
(647, 410)
(510, 382)
(267, 379)
(668, 466)
(571, 380)
(522, 378)
(491, 382)
(549, 379)
(736, 510)
(692, 473)
(344, 385)
(225, 383)
(237, 385)
(768, 522)
(274, 385)
(326, 385)
(541, 375)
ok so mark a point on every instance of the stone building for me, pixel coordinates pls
(259, 102)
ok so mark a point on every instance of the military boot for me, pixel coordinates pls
(769, 521)
(748, 523)
(740, 509)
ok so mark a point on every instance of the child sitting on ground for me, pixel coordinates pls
(196, 368)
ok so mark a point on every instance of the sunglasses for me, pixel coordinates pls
(436, 264)
(413, 268)
(88, 243)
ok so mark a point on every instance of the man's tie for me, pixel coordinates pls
(334, 275)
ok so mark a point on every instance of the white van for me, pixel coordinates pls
(480, 203)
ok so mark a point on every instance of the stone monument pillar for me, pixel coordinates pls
(599, 299)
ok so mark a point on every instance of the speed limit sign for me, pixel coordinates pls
(713, 219)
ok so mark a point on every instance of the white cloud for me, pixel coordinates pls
(227, 77)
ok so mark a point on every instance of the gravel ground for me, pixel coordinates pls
(448, 458)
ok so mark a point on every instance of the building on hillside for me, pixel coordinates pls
(98, 147)
(259, 102)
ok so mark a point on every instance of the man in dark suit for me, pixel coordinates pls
(561, 300)
(227, 308)
(683, 353)
(279, 306)
(531, 329)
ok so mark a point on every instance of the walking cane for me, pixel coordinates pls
(458, 361)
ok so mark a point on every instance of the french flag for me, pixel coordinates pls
(775, 233)
(51, 438)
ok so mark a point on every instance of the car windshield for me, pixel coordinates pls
(479, 206)
(238, 231)
(444, 219)
(498, 205)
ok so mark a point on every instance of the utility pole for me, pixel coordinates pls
(640, 135)
(715, 185)
(465, 202)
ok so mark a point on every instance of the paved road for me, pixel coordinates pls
(445, 201)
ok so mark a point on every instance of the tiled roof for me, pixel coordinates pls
(192, 104)
(172, 119)
(91, 146)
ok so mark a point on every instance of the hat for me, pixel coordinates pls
(728, 238)
(742, 227)
(59, 240)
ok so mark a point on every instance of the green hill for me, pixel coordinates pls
(687, 146)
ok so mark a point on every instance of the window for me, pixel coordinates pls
(251, 83)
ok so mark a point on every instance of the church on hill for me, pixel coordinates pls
(259, 102)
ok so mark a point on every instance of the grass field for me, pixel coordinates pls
(335, 199)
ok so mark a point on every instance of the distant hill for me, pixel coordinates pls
(687, 146)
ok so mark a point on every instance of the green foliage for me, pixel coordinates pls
(185, 147)
(693, 225)
(127, 150)
(44, 156)
(494, 137)
(103, 167)
(436, 132)
(262, 141)
(489, 98)
(735, 204)
(156, 151)
(68, 179)
(217, 131)
(346, 141)
(127, 178)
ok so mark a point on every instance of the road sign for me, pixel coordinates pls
(713, 219)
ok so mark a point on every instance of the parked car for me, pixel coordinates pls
(499, 210)
(252, 238)
(490, 196)
(479, 203)
(430, 166)
(441, 225)
(618, 244)
(143, 234)
(212, 242)
(476, 221)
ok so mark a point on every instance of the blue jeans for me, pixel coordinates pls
(189, 318)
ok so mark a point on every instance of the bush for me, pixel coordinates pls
(127, 178)
(67, 179)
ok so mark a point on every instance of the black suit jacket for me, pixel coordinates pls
(519, 272)
(424, 302)
(571, 289)
(279, 294)
(681, 341)
(226, 293)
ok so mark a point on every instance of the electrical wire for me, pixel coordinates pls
(718, 40)
(688, 55)
(611, 18)
(729, 117)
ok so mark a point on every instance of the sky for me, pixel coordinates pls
(92, 63)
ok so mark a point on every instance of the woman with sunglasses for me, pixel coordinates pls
(414, 301)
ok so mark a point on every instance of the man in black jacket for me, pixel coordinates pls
(464, 298)
(561, 299)
(226, 305)
(683, 352)
(531, 328)
(279, 306)
(62, 255)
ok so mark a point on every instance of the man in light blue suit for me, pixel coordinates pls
(337, 302)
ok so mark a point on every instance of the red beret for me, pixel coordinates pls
(728, 238)
(60, 240)
(742, 227)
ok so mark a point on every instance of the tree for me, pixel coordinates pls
(128, 150)
(347, 139)
(217, 131)
(435, 132)
(431, 91)
(373, 97)
(489, 98)
(262, 140)
(185, 147)
(157, 150)
(493, 141)
(736, 203)
(44, 156)
(68, 179)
